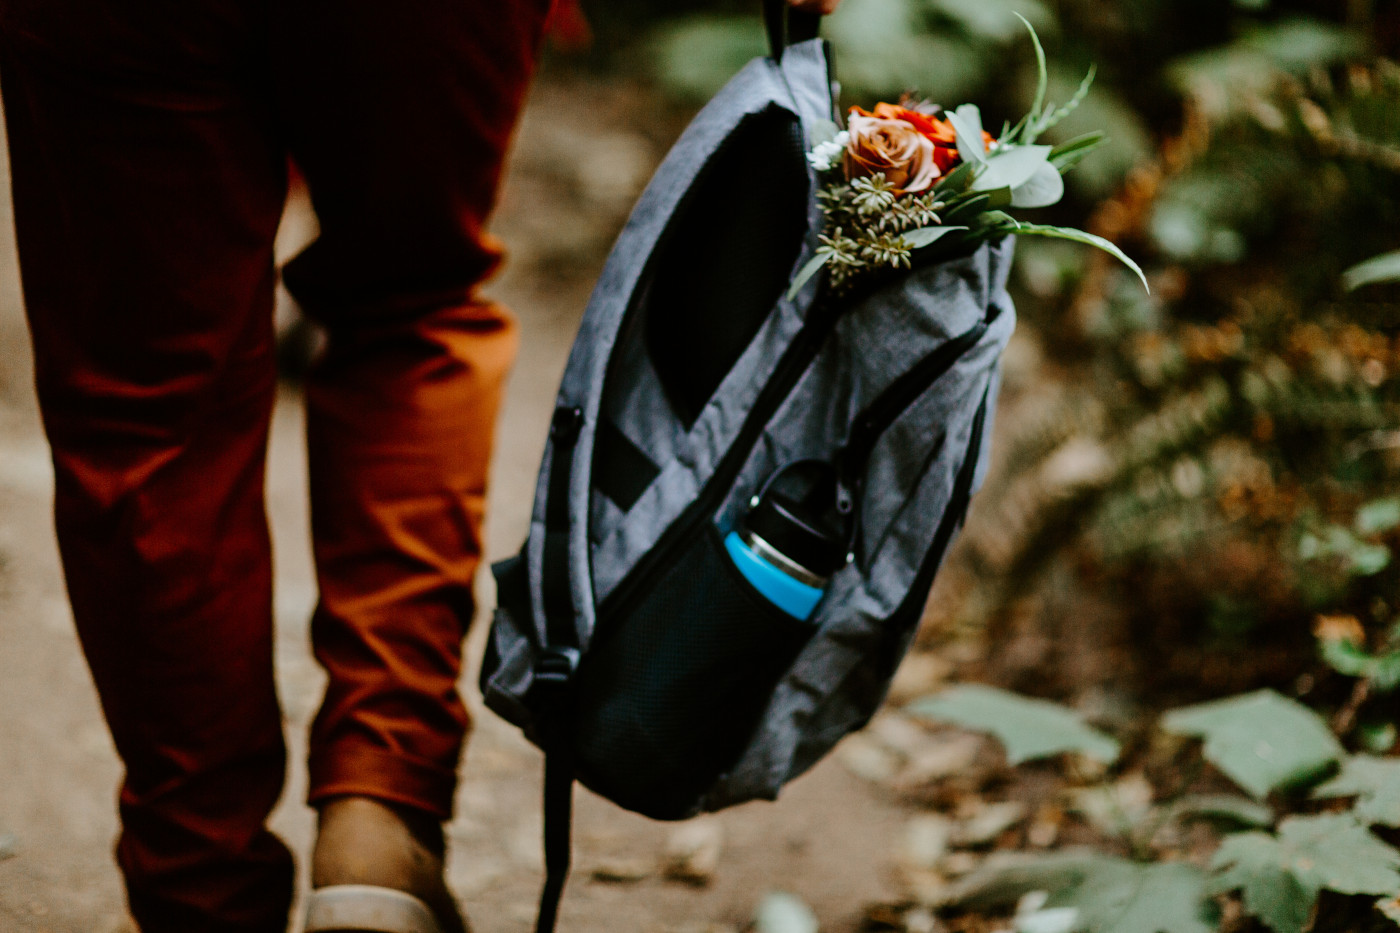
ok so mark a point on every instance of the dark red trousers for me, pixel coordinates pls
(149, 141)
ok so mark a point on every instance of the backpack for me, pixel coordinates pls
(628, 642)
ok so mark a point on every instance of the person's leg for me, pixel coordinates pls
(399, 115)
(147, 192)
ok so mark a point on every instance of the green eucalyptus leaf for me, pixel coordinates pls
(1044, 188)
(1079, 236)
(1011, 166)
(967, 124)
(1262, 740)
(809, 269)
(999, 198)
(1383, 268)
(924, 236)
(1027, 728)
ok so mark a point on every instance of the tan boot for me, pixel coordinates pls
(368, 855)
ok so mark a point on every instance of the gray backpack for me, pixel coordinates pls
(627, 642)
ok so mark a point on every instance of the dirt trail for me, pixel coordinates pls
(578, 165)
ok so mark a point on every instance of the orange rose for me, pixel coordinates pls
(939, 132)
(893, 148)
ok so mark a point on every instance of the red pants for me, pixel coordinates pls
(149, 141)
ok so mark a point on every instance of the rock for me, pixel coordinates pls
(784, 913)
(990, 822)
(921, 920)
(926, 840)
(1044, 830)
(868, 758)
(923, 885)
(899, 734)
(945, 755)
(1115, 809)
(622, 870)
(957, 864)
(920, 674)
(693, 851)
(9, 846)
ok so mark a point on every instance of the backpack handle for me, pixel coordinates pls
(787, 26)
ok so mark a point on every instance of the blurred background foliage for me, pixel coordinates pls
(1197, 488)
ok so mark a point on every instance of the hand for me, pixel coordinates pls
(815, 6)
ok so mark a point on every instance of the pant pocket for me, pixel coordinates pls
(670, 694)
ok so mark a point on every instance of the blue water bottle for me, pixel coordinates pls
(786, 553)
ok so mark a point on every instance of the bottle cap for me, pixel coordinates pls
(789, 528)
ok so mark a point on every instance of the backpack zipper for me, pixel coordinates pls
(789, 370)
(885, 409)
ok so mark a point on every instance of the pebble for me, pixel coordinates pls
(622, 870)
(990, 822)
(693, 851)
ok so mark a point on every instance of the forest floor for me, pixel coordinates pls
(836, 839)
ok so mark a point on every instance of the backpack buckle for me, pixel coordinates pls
(555, 668)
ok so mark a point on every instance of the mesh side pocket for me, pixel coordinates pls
(670, 694)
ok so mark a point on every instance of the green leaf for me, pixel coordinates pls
(1378, 516)
(1261, 740)
(1079, 236)
(780, 912)
(1282, 875)
(1384, 268)
(1044, 188)
(1042, 86)
(1271, 892)
(811, 268)
(957, 179)
(1225, 807)
(918, 239)
(1027, 728)
(1375, 782)
(1118, 896)
(1011, 166)
(1353, 660)
(967, 124)
(1068, 153)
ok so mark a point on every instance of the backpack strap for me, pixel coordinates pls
(554, 671)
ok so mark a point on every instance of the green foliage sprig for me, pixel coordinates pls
(872, 226)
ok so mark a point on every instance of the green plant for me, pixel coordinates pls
(1316, 835)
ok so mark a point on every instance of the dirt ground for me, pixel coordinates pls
(578, 165)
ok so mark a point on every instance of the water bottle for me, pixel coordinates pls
(786, 552)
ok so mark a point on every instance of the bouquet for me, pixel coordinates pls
(902, 177)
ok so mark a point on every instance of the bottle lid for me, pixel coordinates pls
(789, 528)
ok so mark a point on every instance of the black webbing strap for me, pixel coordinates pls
(555, 669)
(787, 26)
(558, 595)
(558, 826)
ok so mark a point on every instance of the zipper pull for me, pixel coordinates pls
(566, 424)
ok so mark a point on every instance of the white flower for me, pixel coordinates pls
(826, 156)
